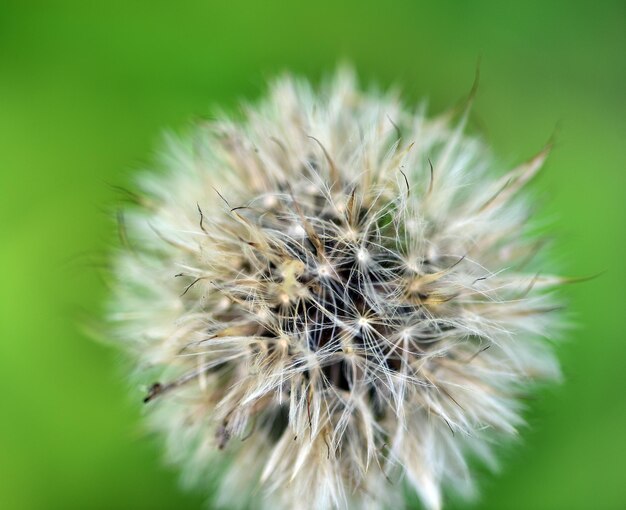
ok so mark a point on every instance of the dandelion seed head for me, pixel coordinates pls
(335, 297)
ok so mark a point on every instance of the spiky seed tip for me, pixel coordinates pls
(330, 299)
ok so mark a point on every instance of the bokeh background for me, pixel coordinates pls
(86, 90)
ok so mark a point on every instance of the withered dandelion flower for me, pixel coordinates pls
(334, 297)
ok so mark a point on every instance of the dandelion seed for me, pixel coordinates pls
(346, 316)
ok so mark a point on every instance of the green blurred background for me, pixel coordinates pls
(87, 88)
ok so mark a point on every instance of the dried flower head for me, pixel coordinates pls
(333, 294)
